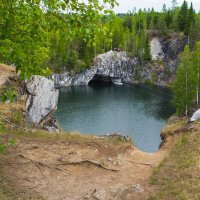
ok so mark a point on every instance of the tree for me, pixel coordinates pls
(196, 66)
(25, 28)
(164, 8)
(185, 83)
(182, 17)
(168, 19)
(147, 50)
(23, 37)
(155, 21)
(190, 19)
(174, 4)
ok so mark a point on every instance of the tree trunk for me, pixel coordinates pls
(186, 91)
(198, 87)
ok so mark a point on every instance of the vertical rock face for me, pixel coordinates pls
(42, 99)
(156, 49)
(112, 64)
(118, 64)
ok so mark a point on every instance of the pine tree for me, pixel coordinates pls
(191, 14)
(168, 19)
(174, 4)
(147, 50)
(183, 16)
(190, 19)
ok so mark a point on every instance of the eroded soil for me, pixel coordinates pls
(55, 170)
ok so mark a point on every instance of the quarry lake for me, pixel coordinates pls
(140, 111)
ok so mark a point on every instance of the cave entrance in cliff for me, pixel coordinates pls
(100, 80)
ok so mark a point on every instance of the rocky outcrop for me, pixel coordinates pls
(156, 49)
(195, 116)
(118, 64)
(173, 46)
(112, 64)
(41, 102)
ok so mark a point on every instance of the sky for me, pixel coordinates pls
(128, 5)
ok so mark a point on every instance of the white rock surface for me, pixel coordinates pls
(156, 49)
(42, 99)
(195, 116)
(100, 194)
(112, 63)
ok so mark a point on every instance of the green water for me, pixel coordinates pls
(138, 111)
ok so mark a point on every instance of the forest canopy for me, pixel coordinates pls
(36, 35)
(40, 36)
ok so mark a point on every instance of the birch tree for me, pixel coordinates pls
(184, 86)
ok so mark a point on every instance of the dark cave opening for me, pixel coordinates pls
(100, 80)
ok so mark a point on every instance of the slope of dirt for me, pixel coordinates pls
(55, 170)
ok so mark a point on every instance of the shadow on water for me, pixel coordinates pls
(140, 111)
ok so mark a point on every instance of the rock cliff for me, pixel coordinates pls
(116, 64)
(112, 63)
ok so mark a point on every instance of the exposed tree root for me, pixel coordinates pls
(141, 163)
(93, 162)
(39, 164)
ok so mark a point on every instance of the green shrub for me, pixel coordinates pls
(2, 148)
(8, 94)
(4, 145)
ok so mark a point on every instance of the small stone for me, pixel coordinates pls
(51, 129)
(138, 188)
(100, 194)
(109, 159)
(118, 189)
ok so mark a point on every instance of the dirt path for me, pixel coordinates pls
(60, 170)
(5, 72)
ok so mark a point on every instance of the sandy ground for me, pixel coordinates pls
(73, 171)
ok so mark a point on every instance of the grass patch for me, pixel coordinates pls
(177, 177)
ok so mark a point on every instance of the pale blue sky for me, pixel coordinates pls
(128, 5)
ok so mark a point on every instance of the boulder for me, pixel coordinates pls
(42, 99)
(195, 116)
